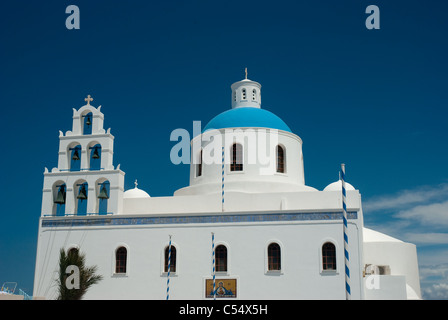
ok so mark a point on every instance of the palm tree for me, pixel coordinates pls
(87, 276)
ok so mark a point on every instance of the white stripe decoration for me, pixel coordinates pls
(345, 227)
(169, 271)
(213, 261)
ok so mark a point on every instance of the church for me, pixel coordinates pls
(246, 227)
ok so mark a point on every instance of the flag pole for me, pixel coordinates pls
(213, 260)
(222, 181)
(345, 227)
(169, 271)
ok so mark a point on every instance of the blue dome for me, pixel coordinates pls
(246, 117)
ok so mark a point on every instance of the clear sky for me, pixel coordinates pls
(373, 99)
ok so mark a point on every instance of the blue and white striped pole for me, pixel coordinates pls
(344, 218)
(222, 181)
(169, 271)
(213, 261)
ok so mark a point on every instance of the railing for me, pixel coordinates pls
(25, 295)
(78, 214)
(83, 169)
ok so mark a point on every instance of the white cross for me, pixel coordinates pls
(88, 99)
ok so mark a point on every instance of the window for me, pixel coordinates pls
(244, 94)
(120, 260)
(172, 260)
(328, 256)
(199, 166)
(254, 94)
(221, 258)
(237, 157)
(274, 257)
(280, 159)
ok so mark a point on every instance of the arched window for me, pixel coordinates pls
(237, 157)
(274, 257)
(221, 258)
(280, 159)
(171, 261)
(243, 94)
(87, 123)
(328, 256)
(254, 94)
(95, 157)
(81, 197)
(199, 165)
(121, 255)
(59, 199)
(75, 158)
(103, 196)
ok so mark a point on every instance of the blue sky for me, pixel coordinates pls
(373, 99)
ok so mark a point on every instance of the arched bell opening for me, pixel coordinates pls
(81, 189)
(59, 191)
(103, 194)
(74, 151)
(87, 122)
(94, 156)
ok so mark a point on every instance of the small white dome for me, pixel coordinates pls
(337, 186)
(135, 193)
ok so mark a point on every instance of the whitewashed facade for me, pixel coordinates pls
(275, 237)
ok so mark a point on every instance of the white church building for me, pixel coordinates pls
(248, 225)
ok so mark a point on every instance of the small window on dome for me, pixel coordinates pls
(280, 159)
(199, 166)
(254, 94)
(237, 157)
(244, 94)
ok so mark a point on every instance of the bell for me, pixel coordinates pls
(96, 154)
(75, 155)
(88, 121)
(82, 195)
(103, 193)
(60, 198)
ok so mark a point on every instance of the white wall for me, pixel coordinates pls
(255, 174)
(301, 276)
(400, 256)
(240, 201)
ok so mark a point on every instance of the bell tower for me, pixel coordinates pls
(85, 182)
(246, 93)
